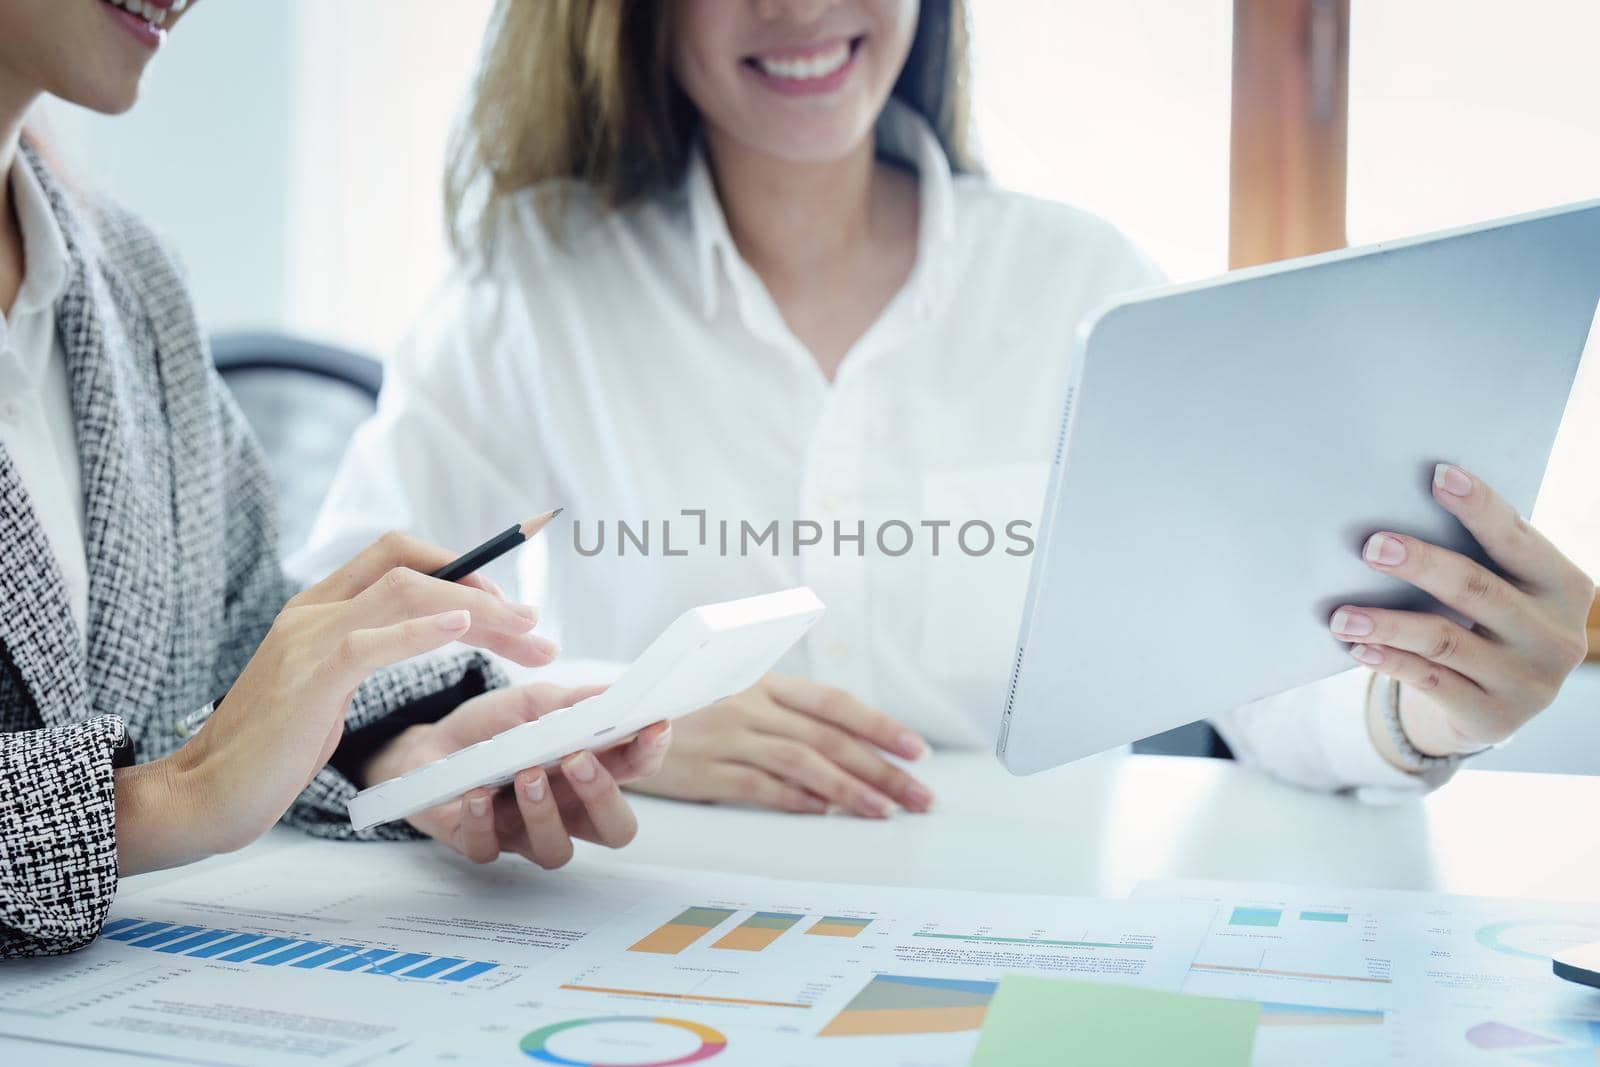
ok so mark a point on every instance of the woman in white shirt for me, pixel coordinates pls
(735, 285)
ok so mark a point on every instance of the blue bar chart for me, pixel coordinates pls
(1255, 917)
(265, 950)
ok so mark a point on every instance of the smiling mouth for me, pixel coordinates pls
(153, 13)
(806, 65)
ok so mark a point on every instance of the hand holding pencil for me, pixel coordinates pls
(284, 716)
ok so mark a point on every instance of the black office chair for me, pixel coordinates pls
(304, 401)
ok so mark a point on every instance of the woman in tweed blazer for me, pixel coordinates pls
(185, 599)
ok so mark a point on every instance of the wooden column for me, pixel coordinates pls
(1291, 77)
(1594, 630)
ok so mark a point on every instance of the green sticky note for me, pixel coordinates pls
(1048, 1022)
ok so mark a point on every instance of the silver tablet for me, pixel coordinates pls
(1226, 447)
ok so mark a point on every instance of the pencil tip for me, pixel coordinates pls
(539, 522)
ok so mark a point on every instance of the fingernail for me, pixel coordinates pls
(526, 611)
(1371, 655)
(478, 805)
(1452, 479)
(1381, 548)
(544, 645)
(815, 805)
(459, 619)
(1351, 623)
(582, 767)
(911, 746)
(662, 739)
(876, 805)
(533, 788)
(919, 796)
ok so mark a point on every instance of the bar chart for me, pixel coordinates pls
(838, 926)
(264, 950)
(689, 926)
(1273, 917)
(758, 931)
(1256, 917)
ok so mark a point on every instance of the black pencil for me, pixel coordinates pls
(494, 548)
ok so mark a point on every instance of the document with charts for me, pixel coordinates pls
(338, 953)
(1375, 976)
(296, 956)
(790, 974)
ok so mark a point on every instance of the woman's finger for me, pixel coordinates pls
(548, 843)
(1461, 584)
(1514, 545)
(475, 836)
(402, 592)
(360, 652)
(1433, 637)
(613, 820)
(1443, 684)
(855, 757)
(498, 626)
(846, 712)
(741, 783)
(393, 549)
(803, 765)
(640, 757)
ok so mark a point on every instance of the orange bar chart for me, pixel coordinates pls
(758, 931)
(838, 926)
(673, 937)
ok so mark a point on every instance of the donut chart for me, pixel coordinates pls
(606, 1035)
(1535, 939)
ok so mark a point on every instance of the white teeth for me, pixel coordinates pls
(817, 66)
(149, 12)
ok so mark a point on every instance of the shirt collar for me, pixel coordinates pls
(901, 134)
(44, 247)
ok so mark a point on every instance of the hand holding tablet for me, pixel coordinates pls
(1344, 443)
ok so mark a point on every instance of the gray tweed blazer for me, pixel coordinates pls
(184, 581)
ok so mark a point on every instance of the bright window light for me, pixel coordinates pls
(1120, 109)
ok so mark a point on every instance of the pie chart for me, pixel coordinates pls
(1535, 939)
(622, 1041)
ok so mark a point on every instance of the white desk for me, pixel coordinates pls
(1098, 827)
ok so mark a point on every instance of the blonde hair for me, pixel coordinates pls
(583, 90)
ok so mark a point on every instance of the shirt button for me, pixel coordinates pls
(829, 504)
(11, 410)
(839, 651)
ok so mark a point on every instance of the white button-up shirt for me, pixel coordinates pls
(37, 428)
(634, 370)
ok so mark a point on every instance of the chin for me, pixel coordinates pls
(811, 143)
(108, 98)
